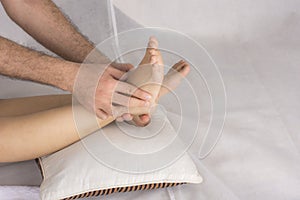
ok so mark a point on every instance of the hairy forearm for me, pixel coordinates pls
(22, 63)
(47, 24)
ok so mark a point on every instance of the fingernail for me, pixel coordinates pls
(128, 117)
(145, 119)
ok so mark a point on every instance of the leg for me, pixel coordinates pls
(51, 128)
(29, 136)
(29, 105)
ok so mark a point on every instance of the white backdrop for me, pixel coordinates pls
(256, 46)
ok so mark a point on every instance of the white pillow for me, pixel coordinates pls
(74, 173)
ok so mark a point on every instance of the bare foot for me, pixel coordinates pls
(150, 72)
(149, 77)
(171, 80)
(174, 77)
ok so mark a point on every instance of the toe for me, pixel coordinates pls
(119, 119)
(181, 67)
(185, 69)
(153, 43)
(153, 52)
(178, 66)
(153, 59)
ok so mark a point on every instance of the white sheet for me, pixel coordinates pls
(257, 48)
(19, 192)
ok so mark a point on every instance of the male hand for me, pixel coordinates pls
(142, 120)
(99, 89)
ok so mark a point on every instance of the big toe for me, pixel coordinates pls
(181, 67)
(153, 43)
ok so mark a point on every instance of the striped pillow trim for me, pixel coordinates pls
(38, 162)
(123, 189)
(117, 189)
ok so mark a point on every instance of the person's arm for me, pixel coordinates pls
(47, 24)
(19, 62)
(22, 63)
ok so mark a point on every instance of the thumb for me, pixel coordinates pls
(122, 66)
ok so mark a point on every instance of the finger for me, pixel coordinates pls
(118, 111)
(124, 117)
(141, 120)
(127, 101)
(119, 119)
(103, 100)
(145, 118)
(125, 67)
(127, 117)
(101, 114)
(116, 73)
(128, 89)
(142, 94)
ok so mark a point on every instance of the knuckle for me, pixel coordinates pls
(111, 84)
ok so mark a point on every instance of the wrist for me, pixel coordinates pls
(70, 76)
(97, 57)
